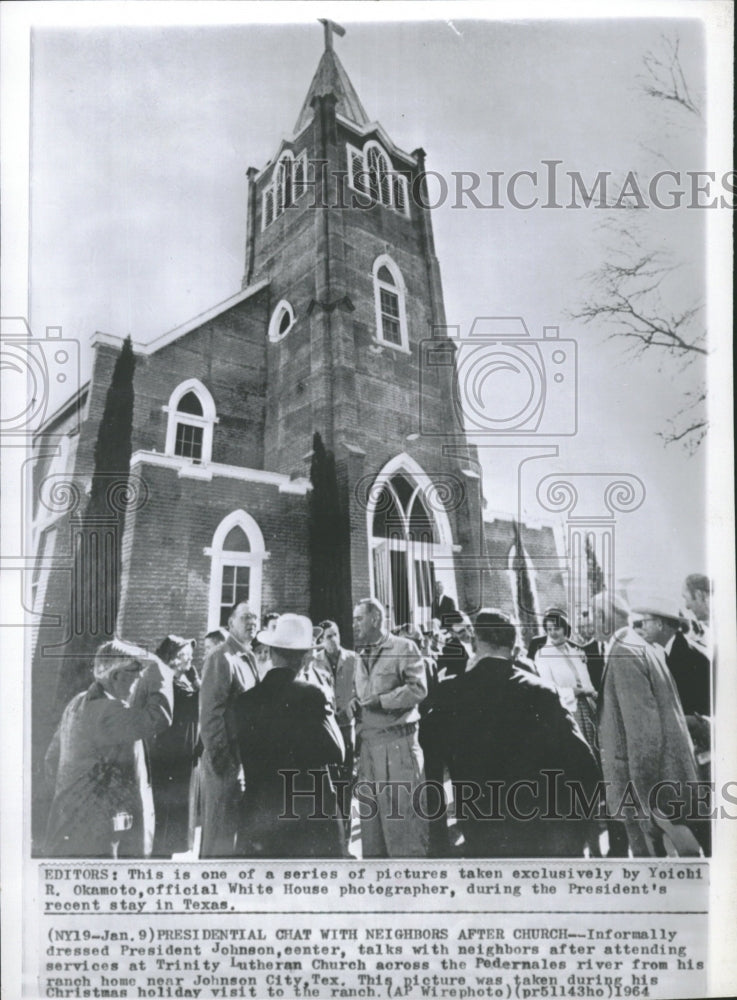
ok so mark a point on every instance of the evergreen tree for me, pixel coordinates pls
(329, 591)
(113, 446)
(97, 558)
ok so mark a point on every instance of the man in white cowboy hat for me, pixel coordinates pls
(644, 742)
(658, 620)
(288, 737)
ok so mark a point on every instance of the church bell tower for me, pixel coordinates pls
(337, 224)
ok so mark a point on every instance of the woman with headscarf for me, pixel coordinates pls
(172, 752)
(562, 666)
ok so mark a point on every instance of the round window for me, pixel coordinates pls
(282, 321)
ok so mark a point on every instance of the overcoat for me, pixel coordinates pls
(172, 761)
(501, 725)
(229, 670)
(288, 736)
(643, 735)
(98, 762)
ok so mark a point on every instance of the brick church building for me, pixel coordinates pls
(339, 328)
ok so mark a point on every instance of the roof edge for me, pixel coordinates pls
(76, 400)
(164, 339)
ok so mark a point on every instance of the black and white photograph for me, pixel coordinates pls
(367, 481)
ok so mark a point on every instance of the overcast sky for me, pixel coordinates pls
(140, 142)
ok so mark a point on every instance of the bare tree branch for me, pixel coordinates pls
(689, 426)
(638, 295)
(626, 297)
(664, 79)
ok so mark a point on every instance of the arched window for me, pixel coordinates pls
(288, 183)
(268, 209)
(300, 171)
(370, 171)
(410, 542)
(236, 556)
(389, 301)
(282, 321)
(284, 181)
(379, 174)
(192, 417)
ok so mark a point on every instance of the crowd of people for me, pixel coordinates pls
(445, 740)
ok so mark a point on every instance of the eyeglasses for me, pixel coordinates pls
(640, 622)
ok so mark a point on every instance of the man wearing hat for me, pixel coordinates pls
(103, 806)
(658, 620)
(644, 741)
(229, 671)
(288, 737)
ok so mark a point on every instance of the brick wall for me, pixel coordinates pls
(168, 572)
(546, 563)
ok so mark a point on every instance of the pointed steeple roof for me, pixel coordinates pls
(331, 78)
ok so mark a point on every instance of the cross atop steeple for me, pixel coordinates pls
(331, 78)
(330, 27)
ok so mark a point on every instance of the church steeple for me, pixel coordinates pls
(331, 78)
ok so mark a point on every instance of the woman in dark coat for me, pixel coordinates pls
(172, 752)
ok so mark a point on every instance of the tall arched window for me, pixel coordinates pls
(371, 172)
(288, 183)
(410, 542)
(192, 417)
(389, 302)
(284, 181)
(268, 207)
(237, 555)
(379, 174)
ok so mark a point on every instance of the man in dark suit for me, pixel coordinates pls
(442, 604)
(456, 650)
(288, 737)
(593, 650)
(690, 668)
(499, 728)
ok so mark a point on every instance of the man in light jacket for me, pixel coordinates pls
(390, 684)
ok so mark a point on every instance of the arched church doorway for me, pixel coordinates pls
(410, 542)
